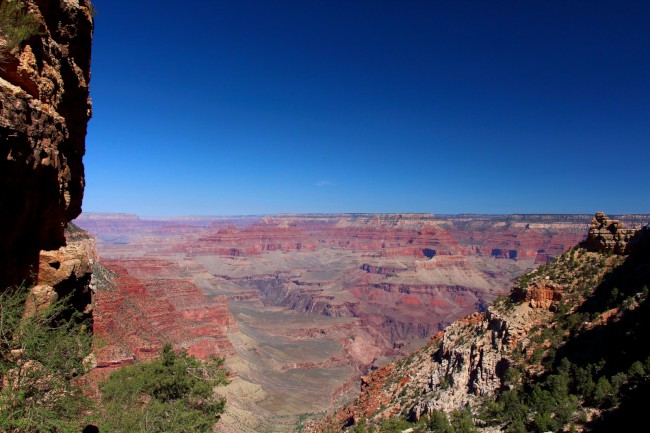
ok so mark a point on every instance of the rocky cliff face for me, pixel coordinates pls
(143, 303)
(66, 272)
(608, 235)
(44, 110)
(547, 311)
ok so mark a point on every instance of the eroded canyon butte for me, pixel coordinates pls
(302, 305)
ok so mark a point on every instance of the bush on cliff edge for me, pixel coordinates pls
(41, 358)
(16, 25)
(172, 394)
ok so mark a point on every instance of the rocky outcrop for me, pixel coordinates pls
(44, 110)
(608, 235)
(471, 360)
(539, 294)
(66, 273)
(462, 364)
(389, 271)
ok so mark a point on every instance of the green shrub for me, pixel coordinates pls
(439, 423)
(462, 422)
(394, 425)
(361, 427)
(16, 24)
(172, 394)
(603, 391)
(40, 357)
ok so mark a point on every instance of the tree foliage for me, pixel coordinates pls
(172, 394)
(16, 24)
(596, 368)
(40, 358)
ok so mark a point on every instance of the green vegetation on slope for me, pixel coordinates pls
(585, 367)
(16, 24)
(594, 355)
(42, 363)
(459, 421)
(40, 358)
(170, 394)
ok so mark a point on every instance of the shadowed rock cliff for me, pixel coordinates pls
(44, 110)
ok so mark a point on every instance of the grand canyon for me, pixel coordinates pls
(301, 306)
(341, 322)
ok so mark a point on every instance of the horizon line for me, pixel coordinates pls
(288, 214)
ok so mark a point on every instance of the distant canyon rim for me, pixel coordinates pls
(302, 305)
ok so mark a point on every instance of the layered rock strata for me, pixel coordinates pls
(144, 303)
(608, 235)
(66, 273)
(467, 362)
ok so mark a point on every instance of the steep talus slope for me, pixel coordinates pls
(565, 350)
(44, 109)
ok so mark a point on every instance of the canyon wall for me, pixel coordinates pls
(44, 110)
(478, 355)
(303, 305)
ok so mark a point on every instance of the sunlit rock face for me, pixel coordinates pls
(44, 110)
(608, 235)
(144, 303)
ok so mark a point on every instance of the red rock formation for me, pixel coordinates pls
(66, 272)
(390, 239)
(148, 304)
(541, 294)
(464, 365)
(442, 250)
(356, 290)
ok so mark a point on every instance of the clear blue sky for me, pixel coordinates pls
(251, 107)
